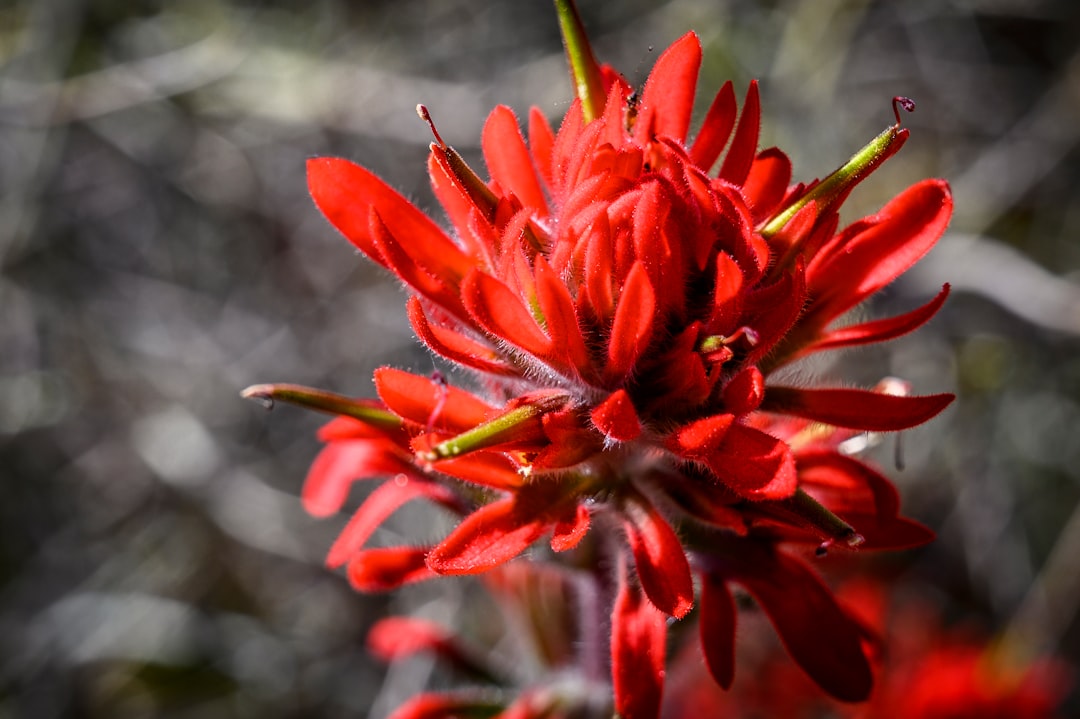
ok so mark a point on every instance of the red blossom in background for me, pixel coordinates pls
(624, 295)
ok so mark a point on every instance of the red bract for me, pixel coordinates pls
(624, 304)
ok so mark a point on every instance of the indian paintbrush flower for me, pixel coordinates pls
(624, 295)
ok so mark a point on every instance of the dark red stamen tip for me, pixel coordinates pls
(422, 111)
(905, 102)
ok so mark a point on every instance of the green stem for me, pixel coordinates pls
(584, 70)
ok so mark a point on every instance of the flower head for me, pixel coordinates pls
(624, 295)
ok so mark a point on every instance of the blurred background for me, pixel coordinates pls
(159, 252)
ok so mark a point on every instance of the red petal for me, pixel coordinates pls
(632, 327)
(499, 311)
(379, 505)
(345, 192)
(660, 559)
(380, 570)
(880, 330)
(339, 464)
(744, 392)
(392, 638)
(425, 274)
(455, 346)
(490, 536)
(562, 321)
(616, 417)
(855, 408)
(715, 129)
(541, 139)
(727, 295)
(569, 532)
(773, 310)
(754, 464)
(638, 636)
(509, 161)
(877, 250)
(668, 97)
(718, 629)
(819, 635)
(767, 182)
(700, 438)
(462, 705)
(740, 156)
(599, 263)
(422, 399)
(488, 469)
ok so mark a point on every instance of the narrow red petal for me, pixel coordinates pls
(393, 638)
(562, 320)
(718, 629)
(773, 310)
(767, 183)
(500, 311)
(616, 417)
(509, 161)
(490, 536)
(425, 400)
(638, 638)
(727, 295)
(700, 438)
(854, 408)
(455, 346)
(668, 97)
(740, 156)
(380, 570)
(743, 392)
(339, 464)
(487, 469)
(660, 560)
(880, 330)
(569, 532)
(754, 464)
(817, 632)
(462, 705)
(422, 273)
(633, 324)
(378, 506)
(715, 129)
(541, 140)
(880, 248)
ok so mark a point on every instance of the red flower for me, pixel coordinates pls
(624, 306)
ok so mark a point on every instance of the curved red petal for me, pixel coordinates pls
(339, 464)
(562, 320)
(668, 98)
(767, 182)
(638, 637)
(700, 438)
(879, 330)
(817, 632)
(744, 392)
(660, 559)
(488, 469)
(454, 345)
(425, 400)
(715, 129)
(740, 156)
(378, 506)
(509, 160)
(541, 140)
(616, 417)
(380, 570)
(632, 328)
(754, 464)
(718, 629)
(855, 408)
(569, 532)
(460, 705)
(490, 536)
(879, 249)
(497, 309)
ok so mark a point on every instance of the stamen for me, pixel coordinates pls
(422, 111)
(905, 102)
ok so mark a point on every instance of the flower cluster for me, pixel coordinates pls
(624, 296)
